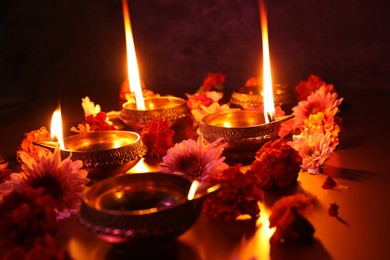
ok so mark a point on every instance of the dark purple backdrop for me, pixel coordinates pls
(78, 46)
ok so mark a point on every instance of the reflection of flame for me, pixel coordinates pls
(192, 191)
(56, 128)
(132, 66)
(117, 144)
(269, 106)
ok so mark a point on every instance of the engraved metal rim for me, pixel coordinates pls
(109, 157)
(246, 134)
(173, 114)
(251, 100)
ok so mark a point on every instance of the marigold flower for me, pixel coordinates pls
(313, 83)
(277, 164)
(288, 218)
(313, 147)
(94, 123)
(253, 82)
(238, 196)
(326, 124)
(319, 101)
(194, 158)
(27, 145)
(25, 215)
(157, 137)
(63, 180)
(214, 80)
(4, 171)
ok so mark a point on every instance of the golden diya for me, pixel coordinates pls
(137, 114)
(103, 153)
(142, 208)
(245, 131)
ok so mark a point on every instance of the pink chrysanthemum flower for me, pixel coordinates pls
(313, 147)
(194, 158)
(63, 180)
(319, 101)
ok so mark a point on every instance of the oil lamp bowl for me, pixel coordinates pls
(171, 108)
(244, 131)
(249, 97)
(103, 153)
(141, 208)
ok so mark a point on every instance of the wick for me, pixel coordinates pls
(270, 118)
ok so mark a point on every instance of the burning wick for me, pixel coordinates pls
(56, 128)
(192, 191)
(269, 106)
(132, 66)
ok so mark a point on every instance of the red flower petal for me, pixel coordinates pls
(333, 210)
(329, 183)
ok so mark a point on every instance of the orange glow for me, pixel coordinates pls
(56, 128)
(192, 191)
(269, 106)
(132, 66)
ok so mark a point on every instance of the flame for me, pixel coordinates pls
(269, 106)
(193, 188)
(132, 66)
(56, 128)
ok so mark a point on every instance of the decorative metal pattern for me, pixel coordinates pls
(171, 108)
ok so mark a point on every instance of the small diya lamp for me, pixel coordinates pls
(142, 209)
(250, 97)
(245, 131)
(137, 114)
(103, 153)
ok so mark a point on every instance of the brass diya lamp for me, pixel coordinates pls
(141, 208)
(251, 98)
(244, 131)
(103, 153)
(168, 107)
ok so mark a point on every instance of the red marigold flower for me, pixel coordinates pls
(196, 100)
(157, 137)
(329, 183)
(333, 210)
(27, 145)
(26, 215)
(277, 164)
(98, 122)
(213, 81)
(4, 171)
(313, 83)
(288, 218)
(253, 82)
(238, 196)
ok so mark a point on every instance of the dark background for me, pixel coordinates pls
(71, 48)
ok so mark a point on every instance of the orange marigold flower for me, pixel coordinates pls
(321, 123)
(277, 164)
(125, 95)
(313, 83)
(213, 81)
(27, 144)
(157, 137)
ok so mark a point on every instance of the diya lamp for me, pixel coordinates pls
(137, 114)
(245, 131)
(103, 153)
(142, 209)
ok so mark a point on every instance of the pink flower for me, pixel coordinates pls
(194, 158)
(63, 180)
(319, 101)
(313, 147)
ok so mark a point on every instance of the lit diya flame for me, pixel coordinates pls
(192, 191)
(269, 106)
(56, 128)
(132, 66)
